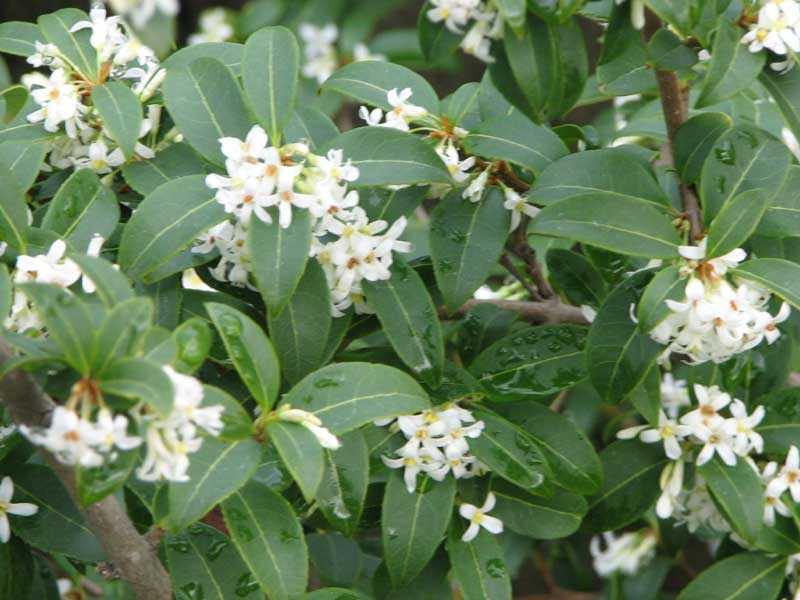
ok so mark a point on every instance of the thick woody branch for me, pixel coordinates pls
(675, 106)
(547, 311)
(129, 552)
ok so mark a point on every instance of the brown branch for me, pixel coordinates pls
(675, 106)
(129, 552)
(521, 248)
(547, 311)
(505, 260)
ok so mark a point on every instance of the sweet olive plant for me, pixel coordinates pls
(463, 344)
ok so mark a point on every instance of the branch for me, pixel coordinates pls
(674, 104)
(136, 560)
(547, 311)
(505, 260)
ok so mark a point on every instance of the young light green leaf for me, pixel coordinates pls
(19, 38)
(203, 558)
(215, 472)
(370, 81)
(738, 493)
(73, 45)
(206, 103)
(619, 223)
(348, 395)
(509, 451)
(414, 524)
(694, 142)
(745, 576)
(176, 160)
(466, 239)
(140, 380)
(666, 285)
(386, 156)
(121, 111)
(517, 139)
(301, 453)
(300, 331)
(250, 350)
(279, 257)
(409, 319)
(269, 538)
(343, 490)
(81, 208)
(539, 517)
(532, 362)
(479, 566)
(269, 75)
(166, 222)
(732, 68)
(737, 221)
(630, 485)
(779, 276)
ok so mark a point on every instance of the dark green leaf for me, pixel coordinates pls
(301, 454)
(13, 211)
(141, 380)
(736, 222)
(177, 160)
(23, 162)
(479, 566)
(622, 68)
(228, 53)
(575, 277)
(121, 329)
(777, 275)
(694, 142)
(96, 483)
(668, 53)
(781, 425)
(19, 38)
(536, 516)
(782, 218)
(745, 576)
(343, 490)
(121, 111)
(311, 126)
(666, 285)
(738, 493)
(112, 287)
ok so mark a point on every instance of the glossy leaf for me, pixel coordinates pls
(667, 52)
(623, 65)
(652, 308)
(738, 493)
(310, 126)
(782, 218)
(301, 454)
(573, 275)
(23, 163)
(228, 53)
(781, 425)
(95, 483)
(112, 287)
(695, 140)
(343, 490)
(121, 329)
(348, 395)
(13, 211)
(140, 380)
(745, 576)
(74, 45)
(781, 277)
(539, 517)
(121, 111)
(436, 42)
(479, 566)
(176, 160)
(19, 38)
(736, 222)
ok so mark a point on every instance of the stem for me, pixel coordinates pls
(674, 103)
(130, 553)
(505, 260)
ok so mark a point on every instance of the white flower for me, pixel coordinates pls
(311, 422)
(20, 509)
(776, 28)
(59, 103)
(141, 11)
(70, 438)
(361, 53)
(668, 430)
(716, 440)
(454, 13)
(772, 504)
(46, 55)
(788, 478)
(624, 554)
(113, 432)
(214, 27)
(518, 206)
(474, 191)
(51, 268)
(478, 518)
(671, 482)
(372, 117)
(402, 109)
(106, 35)
(319, 50)
(458, 168)
(741, 427)
(674, 395)
(99, 159)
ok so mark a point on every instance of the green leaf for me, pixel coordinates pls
(82, 207)
(782, 218)
(569, 453)
(166, 222)
(743, 158)
(176, 160)
(779, 276)
(203, 558)
(619, 223)
(745, 576)
(781, 425)
(14, 99)
(57, 527)
(237, 424)
(479, 566)
(509, 451)
(609, 170)
(668, 53)
(335, 559)
(618, 354)
(68, 321)
(74, 46)
(630, 485)
(390, 205)
(206, 104)
(5, 292)
(269, 75)
(112, 286)
(311, 126)
(574, 276)
(532, 362)
(436, 41)
(300, 331)
(466, 239)
(192, 340)
(370, 81)
(228, 53)
(96, 483)
(346, 396)
(301, 454)
(784, 88)
(518, 140)
(738, 493)
(694, 141)
(736, 222)
(414, 524)
(23, 163)
(121, 329)
(666, 285)
(343, 490)
(13, 211)
(279, 257)
(409, 320)
(732, 69)
(215, 472)
(250, 350)
(535, 516)
(513, 11)
(121, 111)
(389, 157)
(19, 38)
(16, 570)
(622, 68)
(141, 380)
(269, 538)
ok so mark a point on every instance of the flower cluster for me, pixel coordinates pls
(401, 114)
(777, 30)
(716, 320)
(321, 58)
(349, 246)
(62, 97)
(19, 509)
(310, 421)
(436, 444)
(487, 23)
(214, 27)
(626, 553)
(139, 12)
(478, 517)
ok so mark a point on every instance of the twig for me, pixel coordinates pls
(505, 260)
(547, 311)
(523, 250)
(27, 404)
(674, 104)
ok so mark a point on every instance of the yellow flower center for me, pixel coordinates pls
(477, 517)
